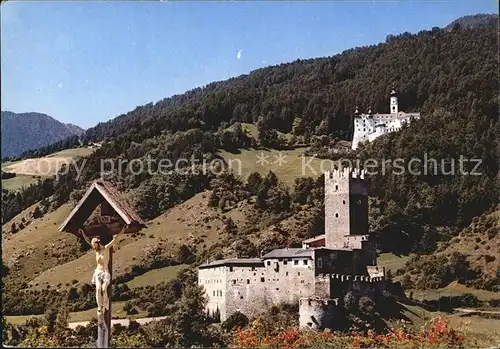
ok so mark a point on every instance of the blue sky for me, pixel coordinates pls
(86, 62)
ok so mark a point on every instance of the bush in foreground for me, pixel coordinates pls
(439, 335)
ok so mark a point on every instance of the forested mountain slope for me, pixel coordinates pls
(431, 69)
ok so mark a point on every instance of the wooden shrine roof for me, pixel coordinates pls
(97, 193)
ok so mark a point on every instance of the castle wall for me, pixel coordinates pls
(214, 281)
(316, 314)
(250, 290)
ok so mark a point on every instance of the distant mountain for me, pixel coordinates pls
(24, 131)
(474, 21)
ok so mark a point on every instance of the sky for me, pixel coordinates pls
(88, 62)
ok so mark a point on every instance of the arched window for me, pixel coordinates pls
(336, 215)
(336, 187)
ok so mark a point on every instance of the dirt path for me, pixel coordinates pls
(465, 310)
(123, 322)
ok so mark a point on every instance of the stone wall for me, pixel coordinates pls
(214, 281)
(250, 290)
(336, 208)
(315, 313)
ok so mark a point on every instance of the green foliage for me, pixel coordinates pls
(234, 321)
(14, 202)
(437, 271)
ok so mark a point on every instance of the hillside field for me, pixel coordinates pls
(29, 171)
(286, 164)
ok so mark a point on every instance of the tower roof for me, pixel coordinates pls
(393, 93)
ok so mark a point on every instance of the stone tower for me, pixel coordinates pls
(346, 206)
(394, 102)
(316, 313)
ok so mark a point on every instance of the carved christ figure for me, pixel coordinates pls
(101, 278)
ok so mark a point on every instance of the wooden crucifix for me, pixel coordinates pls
(102, 280)
(116, 217)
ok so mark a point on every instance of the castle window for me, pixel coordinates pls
(301, 281)
(286, 273)
(230, 268)
(298, 274)
(268, 263)
(241, 297)
(285, 262)
(248, 281)
(253, 269)
(336, 187)
(234, 282)
(304, 261)
(277, 289)
(336, 215)
(343, 201)
(214, 293)
(320, 263)
(295, 262)
(262, 279)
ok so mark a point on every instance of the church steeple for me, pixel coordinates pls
(394, 102)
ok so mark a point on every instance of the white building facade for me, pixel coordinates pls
(368, 127)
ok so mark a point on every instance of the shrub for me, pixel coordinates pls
(235, 320)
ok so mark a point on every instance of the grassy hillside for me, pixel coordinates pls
(471, 257)
(47, 165)
(29, 171)
(286, 164)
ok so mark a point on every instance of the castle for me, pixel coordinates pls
(369, 126)
(317, 275)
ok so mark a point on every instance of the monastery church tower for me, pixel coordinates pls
(394, 102)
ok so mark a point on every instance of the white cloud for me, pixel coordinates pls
(239, 54)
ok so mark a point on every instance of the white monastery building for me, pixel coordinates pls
(369, 126)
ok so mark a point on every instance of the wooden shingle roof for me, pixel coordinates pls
(99, 192)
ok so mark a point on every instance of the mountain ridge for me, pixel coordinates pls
(32, 130)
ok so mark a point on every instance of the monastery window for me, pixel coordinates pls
(268, 263)
(295, 262)
(336, 187)
(343, 202)
(286, 273)
(262, 279)
(241, 297)
(248, 281)
(285, 262)
(230, 268)
(214, 293)
(254, 274)
(277, 288)
(320, 263)
(234, 282)
(253, 269)
(298, 274)
(305, 261)
(336, 215)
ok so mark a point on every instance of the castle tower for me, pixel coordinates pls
(346, 206)
(394, 102)
(316, 313)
